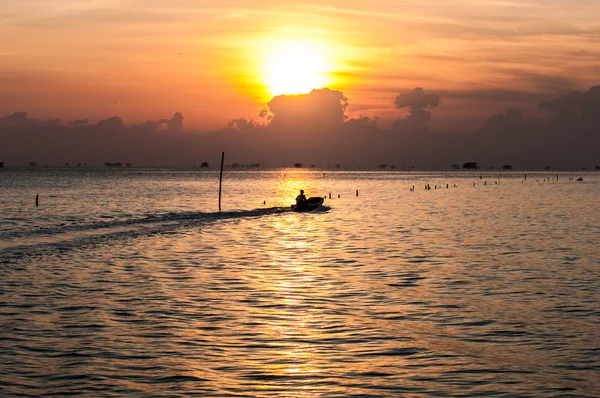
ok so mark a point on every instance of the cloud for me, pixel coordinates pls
(242, 124)
(314, 128)
(113, 123)
(417, 99)
(565, 107)
(496, 96)
(417, 103)
(589, 106)
(321, 107)
(22, 119)
(175, 123)
(505, 123)
(576, 107)
(546, 82)
(79, 122)
(362, 124)
(15, 118)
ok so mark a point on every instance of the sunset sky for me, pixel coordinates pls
(215, 61)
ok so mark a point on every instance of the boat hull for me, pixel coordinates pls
(310, 205)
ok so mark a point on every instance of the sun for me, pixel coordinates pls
(295, 67)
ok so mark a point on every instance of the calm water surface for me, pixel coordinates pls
(130, 282)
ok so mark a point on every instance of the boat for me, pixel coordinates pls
(309, 205)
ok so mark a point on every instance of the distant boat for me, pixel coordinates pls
(204, 164)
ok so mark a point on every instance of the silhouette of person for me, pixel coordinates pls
(300, 199)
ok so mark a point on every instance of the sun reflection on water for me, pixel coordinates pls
(292, 181)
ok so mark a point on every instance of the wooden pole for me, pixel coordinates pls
(221, 178)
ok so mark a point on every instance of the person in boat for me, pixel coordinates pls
(301, 199)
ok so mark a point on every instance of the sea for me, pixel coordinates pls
(132, 282)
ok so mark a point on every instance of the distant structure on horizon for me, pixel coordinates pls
(116, 164)
(470, 166)
(507, 167)
(204, 165)
(297, 165)
(33, 164)
(2, 165)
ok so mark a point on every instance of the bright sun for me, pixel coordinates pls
(294, 67)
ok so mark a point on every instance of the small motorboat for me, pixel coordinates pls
(309, 205)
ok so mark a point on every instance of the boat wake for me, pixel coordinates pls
(17, 244)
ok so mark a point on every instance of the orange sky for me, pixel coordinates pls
(149, 59)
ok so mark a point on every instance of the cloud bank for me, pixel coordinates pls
(315, 128)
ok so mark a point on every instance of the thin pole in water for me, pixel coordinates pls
(221, 178)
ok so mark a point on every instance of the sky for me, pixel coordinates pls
(220, 64)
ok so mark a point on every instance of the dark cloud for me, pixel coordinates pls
(15, 118)
(417, 99)
(505, 123)
(175, 123)
(565, 108)
(113, 123)
(589, 106)
(496, 96)
(547, 83)
(242, 124)
(362, 124)
(322, 107)
(79, 122)
(314, 128)
(417, 103)
(576, 107)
